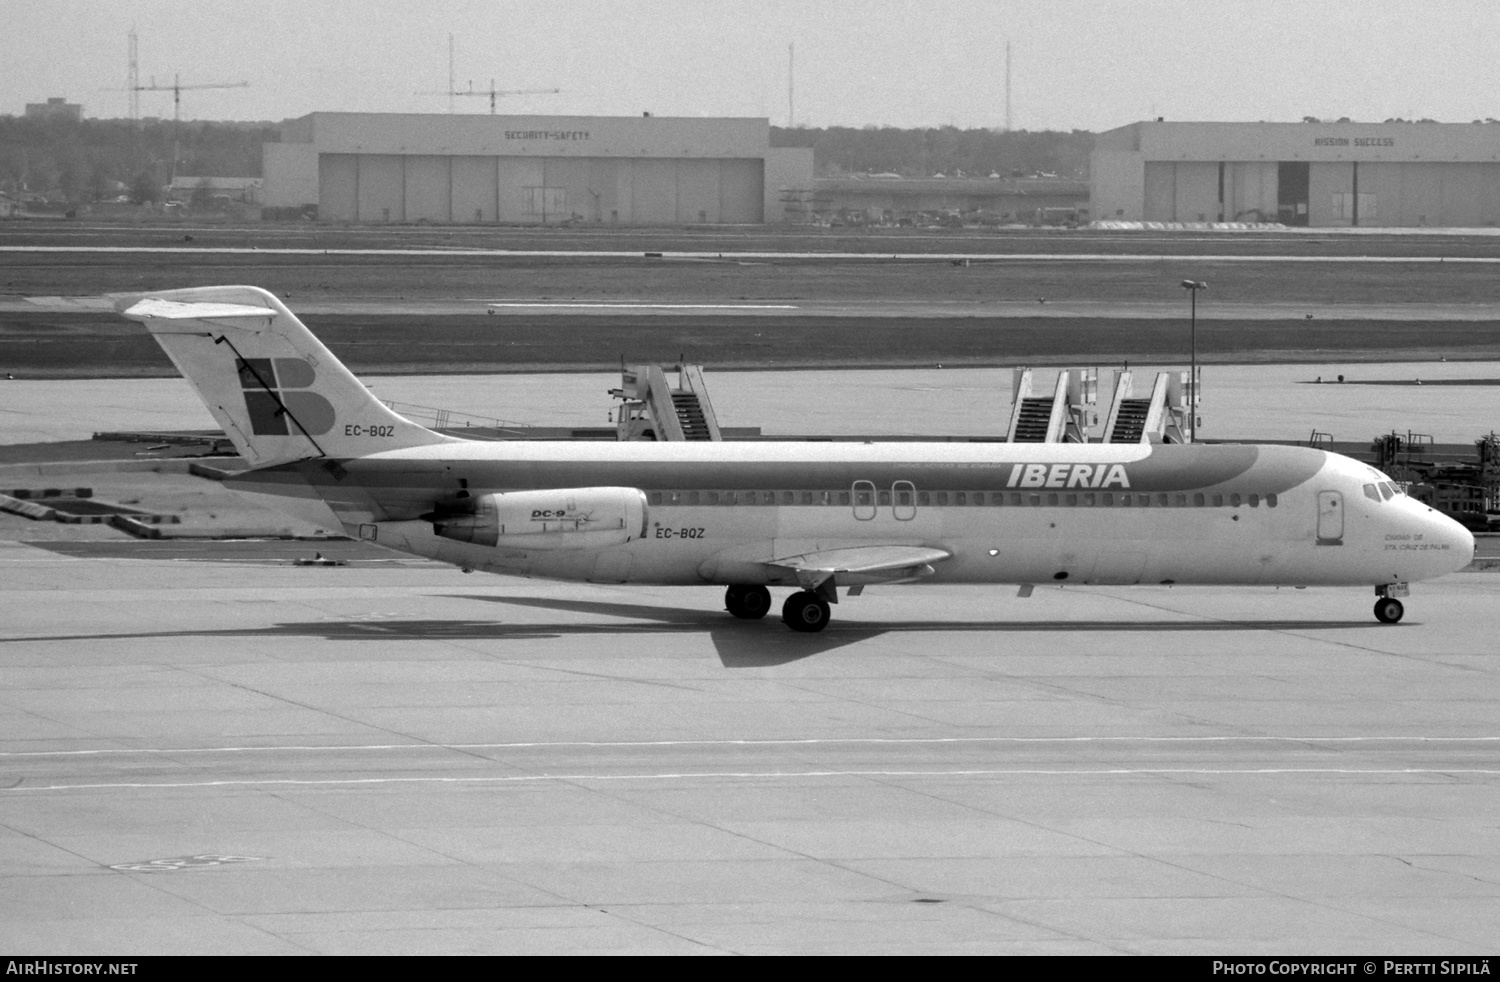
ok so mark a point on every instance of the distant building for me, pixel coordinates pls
(243, 190)
(1311, 173)
(55, 107)
(437, 167)
(993, 200)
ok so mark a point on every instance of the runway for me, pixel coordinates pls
(979, 255)
(1030, 308)
(252, 757)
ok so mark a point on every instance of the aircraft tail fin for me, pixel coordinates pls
(279, 394)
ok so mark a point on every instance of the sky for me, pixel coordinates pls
(1076, 64)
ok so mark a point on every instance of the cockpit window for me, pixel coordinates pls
(1371, 493)
(1387, 491)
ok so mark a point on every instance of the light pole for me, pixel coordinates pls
(1192, 287)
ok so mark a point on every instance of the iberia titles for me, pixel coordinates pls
(1068, 476)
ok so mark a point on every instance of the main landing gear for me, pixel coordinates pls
(748, 603)
(805, 611)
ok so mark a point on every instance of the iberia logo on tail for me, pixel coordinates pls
(271, 383)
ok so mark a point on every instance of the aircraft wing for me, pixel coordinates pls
(865, 564)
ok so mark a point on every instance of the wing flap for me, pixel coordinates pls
(871, 564)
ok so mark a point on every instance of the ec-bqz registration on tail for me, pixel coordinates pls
(810, 516)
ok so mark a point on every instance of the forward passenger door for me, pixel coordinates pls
(1330, 518)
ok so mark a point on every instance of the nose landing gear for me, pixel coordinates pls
(1388, 610)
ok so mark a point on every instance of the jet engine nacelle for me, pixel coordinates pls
(566, 518)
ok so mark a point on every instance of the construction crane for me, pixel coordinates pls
(492, 92)
(176, 88)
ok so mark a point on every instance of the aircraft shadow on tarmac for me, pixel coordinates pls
(748, 644)
(739, 644)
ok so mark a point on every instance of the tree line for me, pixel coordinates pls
(81, 161)
(945, 150)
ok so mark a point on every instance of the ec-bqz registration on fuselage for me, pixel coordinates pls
(810, 516)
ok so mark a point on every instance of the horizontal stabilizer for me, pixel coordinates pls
(154, 309)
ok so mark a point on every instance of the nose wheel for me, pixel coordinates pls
(1388, 610)
(748, 603)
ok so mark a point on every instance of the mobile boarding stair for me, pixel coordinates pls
(1067, 415)
(1159, 418)
(652, 409)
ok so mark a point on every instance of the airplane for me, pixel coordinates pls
(810, 516)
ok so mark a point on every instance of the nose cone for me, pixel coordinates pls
(1457, 542)
(1464, 546)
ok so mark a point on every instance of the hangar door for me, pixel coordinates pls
(1293, 180)
(546, 190)
(338, 183)
(1182, 191)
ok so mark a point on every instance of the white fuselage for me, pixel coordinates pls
(1007, 513)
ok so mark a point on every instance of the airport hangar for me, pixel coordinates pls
(1313, 173)
(625, 170)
